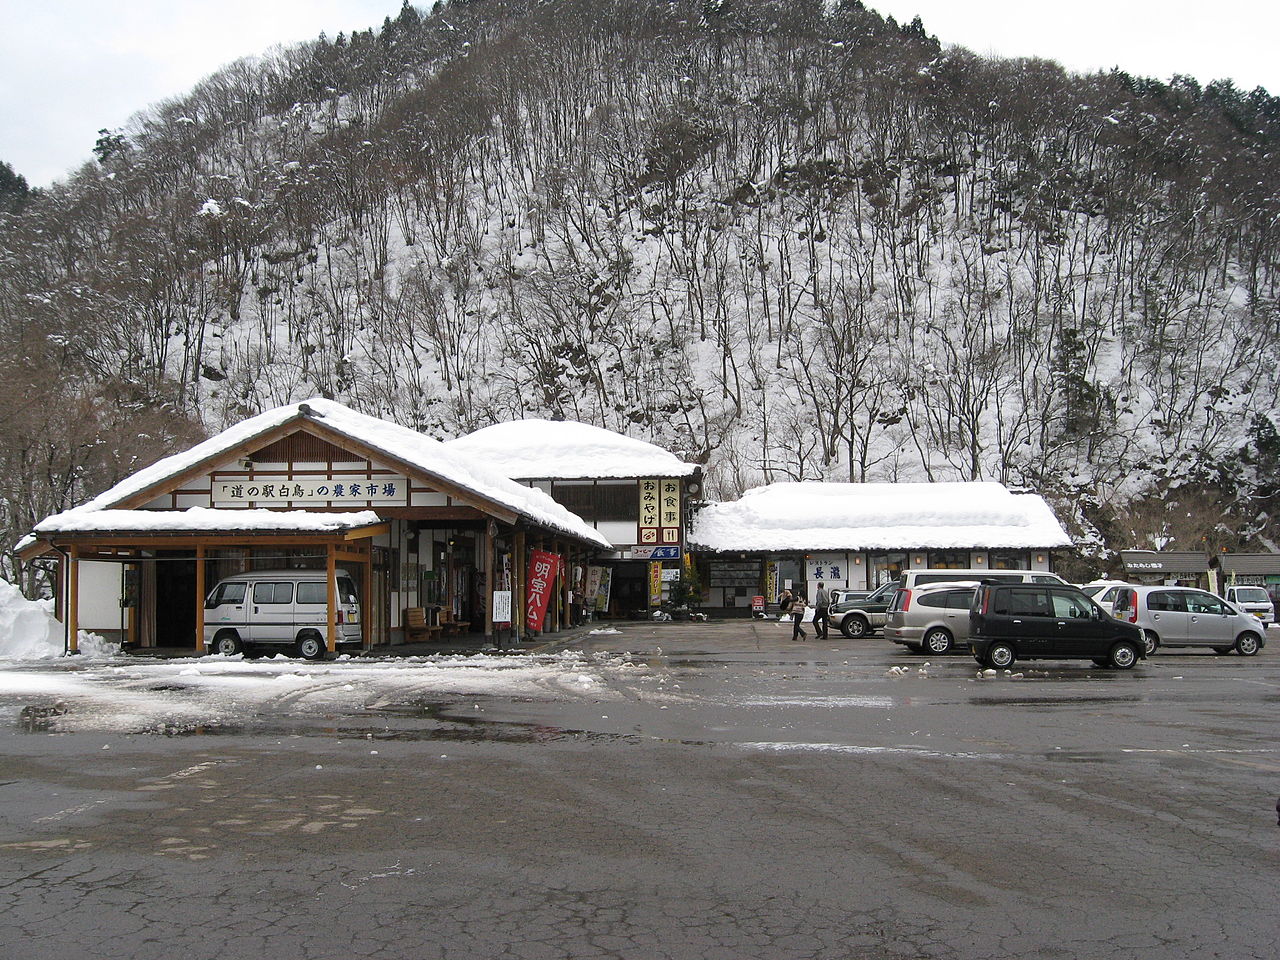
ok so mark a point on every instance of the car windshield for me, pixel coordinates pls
(1252, 595)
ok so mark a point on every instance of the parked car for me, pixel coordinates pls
(1254, 600)
(933, 618)
(284, 610)
(861, 616)
(1104, 592)
(1024, 621)
(1186, 617)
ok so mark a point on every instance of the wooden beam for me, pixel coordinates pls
(491, 583)
(366, 600)
(200, 591)
(517, 611)
(73, 601)
(331, 592)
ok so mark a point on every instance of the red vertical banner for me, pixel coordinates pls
(543, 567)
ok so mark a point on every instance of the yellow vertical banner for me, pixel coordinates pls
(649, 511)
(655, 584)
(669, 510)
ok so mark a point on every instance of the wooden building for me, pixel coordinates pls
(311, 484)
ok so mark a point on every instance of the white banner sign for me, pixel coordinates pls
(502, 606)
(359, 491)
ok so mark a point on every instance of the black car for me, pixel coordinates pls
(1031, 621)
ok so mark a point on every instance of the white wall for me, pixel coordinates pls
(100, 596)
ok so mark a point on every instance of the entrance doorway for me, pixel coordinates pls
(175, 599)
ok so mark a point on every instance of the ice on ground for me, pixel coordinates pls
(138, 695)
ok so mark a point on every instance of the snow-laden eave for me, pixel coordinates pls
(419, 454)
(203, 520)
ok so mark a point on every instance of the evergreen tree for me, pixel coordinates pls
(14, 191)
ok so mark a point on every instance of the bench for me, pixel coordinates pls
(416, 627)
(450, 625)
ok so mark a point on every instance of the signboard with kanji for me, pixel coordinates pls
(660, 511)
(359, 491)
(829, 568)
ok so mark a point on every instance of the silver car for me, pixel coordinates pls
(1186, 617)
(933, 618)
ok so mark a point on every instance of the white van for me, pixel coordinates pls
(1254, 600)
(284, 610)
(916, 578)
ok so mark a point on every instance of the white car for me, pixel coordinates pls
(1254, 600)
(1185, 617)
(1104, 592)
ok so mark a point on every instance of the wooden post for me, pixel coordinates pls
(73, 599)
(331, 594)
(366, 600)
(517, 609)
(490, 580)
(200, 590)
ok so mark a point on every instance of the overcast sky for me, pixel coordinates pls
(71, 67)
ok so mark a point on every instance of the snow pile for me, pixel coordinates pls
(879, 516)
(28, 630)
(536, 449)
(204, 519)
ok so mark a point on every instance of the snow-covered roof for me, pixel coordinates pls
(396, 442)
(204, 519)
(566, 449)
(878, 516)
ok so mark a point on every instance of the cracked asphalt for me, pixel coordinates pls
(729, 796)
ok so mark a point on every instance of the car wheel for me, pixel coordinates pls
(1247, 644)
(1123, 655)
(1152, 641)
(1000, 655)
(855, 627)
(311, 647)
(938, 641)
(228, 644)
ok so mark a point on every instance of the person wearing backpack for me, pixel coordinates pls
(797, 615)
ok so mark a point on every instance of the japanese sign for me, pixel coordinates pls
(655, 553)
(502, 606)
(543, 567)
(268, 491)
(659, 511)
(828, 568)
(602, 594)
(655, 584)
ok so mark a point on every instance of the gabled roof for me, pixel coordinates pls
(878, 516)
(460, 475)
(537, 449)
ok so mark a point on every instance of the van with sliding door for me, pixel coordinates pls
(281, 611)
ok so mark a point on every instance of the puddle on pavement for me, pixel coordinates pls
(1051, 701)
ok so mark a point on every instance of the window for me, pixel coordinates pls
(1166, 601)
(347, 591)
(949, 559)
(1204, 603)
(959, 599)
(272, 592)
(1007, 560)
(1069, 606)
(938, 599)
(1029, 602)
(227, 593)
(885, 567)
(595, 502)
(312, 591)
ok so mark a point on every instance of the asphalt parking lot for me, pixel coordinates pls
(668, 791)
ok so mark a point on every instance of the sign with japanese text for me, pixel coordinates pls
(655, 553)
(361, 491)
(660, 511)
(602, 594)
(543, 567)
(593, 584)
(655, 584)
(827, 568)
(502, 606)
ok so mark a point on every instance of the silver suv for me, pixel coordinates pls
(1185, 617)
(933, 617)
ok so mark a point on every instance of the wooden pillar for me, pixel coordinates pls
(331, 595)
(73, 600)
(490, 580)
(200, 592)
(366, 600)
(517, 611)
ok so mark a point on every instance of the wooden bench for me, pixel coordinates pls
(450, 625)
(416, 627)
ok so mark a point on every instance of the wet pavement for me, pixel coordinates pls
(669, 791)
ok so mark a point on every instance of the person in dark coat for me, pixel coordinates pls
(821, 600)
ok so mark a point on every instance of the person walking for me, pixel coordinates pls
(821, 600)
(797, 615)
